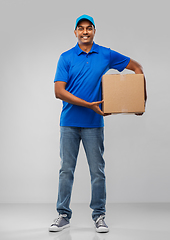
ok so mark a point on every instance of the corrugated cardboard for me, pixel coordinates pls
(123, 93)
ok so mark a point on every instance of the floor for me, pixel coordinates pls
(125, 221)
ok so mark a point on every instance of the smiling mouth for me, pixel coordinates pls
(85, 37)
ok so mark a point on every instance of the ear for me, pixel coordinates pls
(94, 31)
(75, 32)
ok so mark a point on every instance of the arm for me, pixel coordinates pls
(63, 94)
(137, 68)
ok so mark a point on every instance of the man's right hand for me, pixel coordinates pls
(95, 107)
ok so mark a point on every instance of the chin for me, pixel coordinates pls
(86, 42)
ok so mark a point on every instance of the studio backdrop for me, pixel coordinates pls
(33, 35)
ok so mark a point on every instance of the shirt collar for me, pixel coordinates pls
(94, 49)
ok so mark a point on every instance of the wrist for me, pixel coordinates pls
(88, 104)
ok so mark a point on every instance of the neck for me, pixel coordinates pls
(85, 47)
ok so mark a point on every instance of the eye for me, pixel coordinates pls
(80, 28)
(89, 28)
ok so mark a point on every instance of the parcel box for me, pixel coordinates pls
(123, 93)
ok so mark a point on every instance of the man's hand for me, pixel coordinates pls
(139, 114)
(95, 107)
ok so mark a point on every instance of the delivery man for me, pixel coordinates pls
(78, 85)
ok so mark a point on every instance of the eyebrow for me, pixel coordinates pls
(87, 26)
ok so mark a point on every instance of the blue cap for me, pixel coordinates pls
(84, 17)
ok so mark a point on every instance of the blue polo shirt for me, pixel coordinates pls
(83, 72)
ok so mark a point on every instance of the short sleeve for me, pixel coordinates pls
(62, 71)
(118, 61)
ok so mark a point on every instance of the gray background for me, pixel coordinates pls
(33, 35)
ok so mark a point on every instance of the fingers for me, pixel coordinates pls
(99, 102)
(138, 114)
(95, 107)
(107, 114)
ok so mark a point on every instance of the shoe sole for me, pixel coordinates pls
(58, 229)
(102, 230)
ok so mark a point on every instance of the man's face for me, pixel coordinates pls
(85, 32)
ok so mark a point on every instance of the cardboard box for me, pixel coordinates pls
(123, 93)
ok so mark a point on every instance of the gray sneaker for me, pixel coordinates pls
(59, 224)
(100, 225)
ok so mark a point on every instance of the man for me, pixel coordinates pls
(78, 84)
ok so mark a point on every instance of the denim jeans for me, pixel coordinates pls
(92, 139)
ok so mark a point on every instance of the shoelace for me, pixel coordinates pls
(57, 220)
(100, 220)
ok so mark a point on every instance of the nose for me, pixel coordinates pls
(85, 31)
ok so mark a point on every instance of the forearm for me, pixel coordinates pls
(70, 98)
(137, 68)
(66, 96)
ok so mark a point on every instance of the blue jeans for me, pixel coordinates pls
(92, 139)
